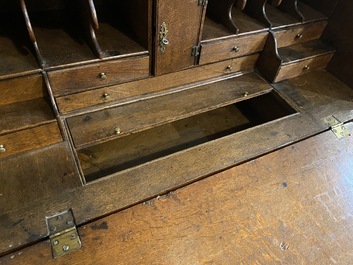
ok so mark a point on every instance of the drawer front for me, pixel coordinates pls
(301, 67)
(231, 48)
(123, 120)
(81, 78)
(298, 34)
(130, 90)
(26, 140)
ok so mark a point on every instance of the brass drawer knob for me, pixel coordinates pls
(306, 68)
(103, 76)
(105, 96)
(298, 36)
(117, 131)
(235, 49)
(229, 68)
(2, 149)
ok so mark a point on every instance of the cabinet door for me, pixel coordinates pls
(179, 23)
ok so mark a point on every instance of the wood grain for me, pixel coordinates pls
(81, 78)
(30, 139)
(270, 210)
(151, 86)
(142, 115)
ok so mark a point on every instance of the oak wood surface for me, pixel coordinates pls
(30, 139)
(137, 90)
(291, 206)
(142, 115)
(73, 80)
(231, 47)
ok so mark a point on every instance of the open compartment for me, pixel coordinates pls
(107, 158)
(27, 121)
(62, 31)
(122, 27)
(17, 54)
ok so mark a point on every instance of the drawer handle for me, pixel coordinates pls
(105, 96)
(117, 131)
(235, 49)
(298, 36)
(103, 76)
(229, 68)
(306, 68)
(2, 149)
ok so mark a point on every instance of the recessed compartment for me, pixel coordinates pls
(107, 158)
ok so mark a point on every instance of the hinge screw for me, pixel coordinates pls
(66, 248)
(56, 242)
(70, 222)
(73, 236)
(52, 228)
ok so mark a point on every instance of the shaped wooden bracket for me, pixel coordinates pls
(257, 10)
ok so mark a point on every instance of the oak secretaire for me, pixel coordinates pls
(108, 103)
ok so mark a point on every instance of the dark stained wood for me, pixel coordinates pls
(279, 18)
(295, 69)
(256, 9)
(21, 89)
(327, 7)
(142, 115)
(257, 212)
(73, 80)
(212, 51)
(138, 184)
(18, 116)
(146, 87)
(37, 137)
(183, 20)
(308, 32)
(312, 13)
(291, 8)
(341, 64)
(29, 179)
(221, 12)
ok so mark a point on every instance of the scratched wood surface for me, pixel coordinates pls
(293, 206)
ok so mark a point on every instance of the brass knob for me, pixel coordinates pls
(2, 149)
(246, 93)
(105, 96)
(117, 131)
(229, 68)
(236, 49)
(298, 36)
(306, 68)
(103, 76)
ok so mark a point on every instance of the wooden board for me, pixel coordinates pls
(292, 206)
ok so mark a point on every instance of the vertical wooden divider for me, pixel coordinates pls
(256, 9)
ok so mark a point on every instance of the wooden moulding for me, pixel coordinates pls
(151, 86)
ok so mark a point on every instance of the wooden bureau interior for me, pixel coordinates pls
(96, 90)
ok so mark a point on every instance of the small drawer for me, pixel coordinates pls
(26, 140)
(217, 50)
(299, 34)
(81, 78)
(298, 68)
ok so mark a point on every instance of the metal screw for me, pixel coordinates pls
(229, 68)
(70, 222)
(59, 218)
(66, 248)
(52, 228)
(236, 49)
(102, 76)
(73, 236)
(56, 242)
(299, 36)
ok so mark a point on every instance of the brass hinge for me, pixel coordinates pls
(336, 126)
(63, 234)
(203, 2)
(195, 51)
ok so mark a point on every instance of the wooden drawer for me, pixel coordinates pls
(106, 95)
(25, 140)
(123, 120)
(298, 34)
(81, 78)
(295, 69)
(217, 50)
